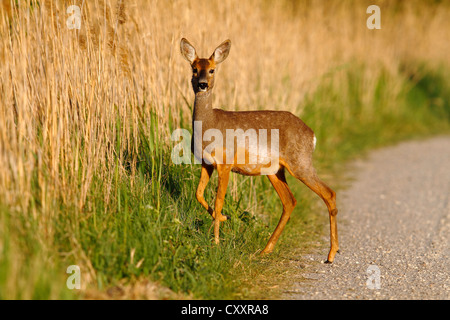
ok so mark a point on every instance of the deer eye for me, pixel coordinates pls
(211, 71)
(194, 70)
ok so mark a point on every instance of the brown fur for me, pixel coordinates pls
(296, 145)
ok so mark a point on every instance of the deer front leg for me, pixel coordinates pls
(205, 176)
(204, 179)
(224, 175)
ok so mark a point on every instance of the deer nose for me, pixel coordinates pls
(203, 85)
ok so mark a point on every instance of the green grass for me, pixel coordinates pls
(153, 227)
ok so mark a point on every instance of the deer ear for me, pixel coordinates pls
(188, 50)
(221, 52)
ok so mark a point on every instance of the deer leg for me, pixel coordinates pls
(224, 175)
(278, 181)
(329, 197)
(204, 179)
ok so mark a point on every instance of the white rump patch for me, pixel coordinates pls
(314, 141)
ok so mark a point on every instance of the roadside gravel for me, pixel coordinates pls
(394, 229)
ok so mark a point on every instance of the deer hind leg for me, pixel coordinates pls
(329, 197)
(224, 175)
(278, 181)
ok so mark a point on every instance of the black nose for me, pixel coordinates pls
(203, 85)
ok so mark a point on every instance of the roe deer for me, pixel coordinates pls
(295, 145)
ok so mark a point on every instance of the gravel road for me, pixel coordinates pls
(394, 229)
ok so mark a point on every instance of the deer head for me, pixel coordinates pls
(203, 70)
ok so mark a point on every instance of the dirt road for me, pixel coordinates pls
(394, 229)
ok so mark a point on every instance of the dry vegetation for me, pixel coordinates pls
(76, 104)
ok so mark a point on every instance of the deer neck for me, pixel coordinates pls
(203, 110)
